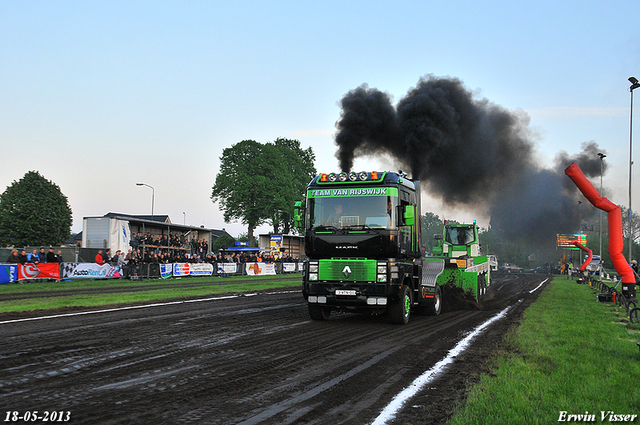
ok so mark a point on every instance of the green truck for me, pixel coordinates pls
(364, 253)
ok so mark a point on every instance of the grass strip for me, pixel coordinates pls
(155, 293)
(570, 354)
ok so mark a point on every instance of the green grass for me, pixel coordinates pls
(160, 291)
(570, 353)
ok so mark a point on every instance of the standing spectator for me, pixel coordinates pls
(106, 257)
(42, 256)
(23, 257)
(114, 259)
(33, 257)
(51, 256)
(14, 258)
(59, 258)
(99, 258)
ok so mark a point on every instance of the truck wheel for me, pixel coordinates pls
(481, 287)
(400, 310)
(434, 308)
(318, 312)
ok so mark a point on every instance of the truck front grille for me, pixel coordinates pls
(347, 270)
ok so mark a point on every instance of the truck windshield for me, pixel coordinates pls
(376, 212)
(460, 235)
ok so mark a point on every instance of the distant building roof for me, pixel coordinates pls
(159, 218)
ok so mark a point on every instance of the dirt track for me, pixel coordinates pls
(245, 360)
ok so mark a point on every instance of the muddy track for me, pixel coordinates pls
(245, 360)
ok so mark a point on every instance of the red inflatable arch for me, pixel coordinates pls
(615, 221)
(589, 255)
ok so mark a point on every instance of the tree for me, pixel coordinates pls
(222, 242)
(256, 182)
(33, 211)
(431, 225)
(295, 171)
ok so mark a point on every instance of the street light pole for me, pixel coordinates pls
(153, 196)
(602, 157)
(634, 85)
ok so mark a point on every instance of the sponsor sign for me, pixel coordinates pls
(288, 267)
(39, 271)
(256, 269)
(166, 270)
(89, 271)
(368, 191)
(8, 273)
(227, 268)
(192, 269)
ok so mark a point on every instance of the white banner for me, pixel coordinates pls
(192, 269)
(288, 267)
(227, 268)
(89, 270)
(256, 269)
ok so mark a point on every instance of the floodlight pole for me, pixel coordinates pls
(602, 157)
(153, 195)
(634, 85)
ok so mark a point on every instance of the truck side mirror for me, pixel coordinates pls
(409, 215)
(298, 217)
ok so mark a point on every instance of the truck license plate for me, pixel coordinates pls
(350, 292)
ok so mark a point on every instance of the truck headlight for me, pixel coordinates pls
(313, 276)
(313, 267)
(382, 278)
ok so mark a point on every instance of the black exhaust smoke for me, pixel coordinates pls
(468, 152)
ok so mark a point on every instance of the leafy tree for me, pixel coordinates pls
(33, 211)
(257, 182)
(223, 241)
(295, 171)
(431, 225)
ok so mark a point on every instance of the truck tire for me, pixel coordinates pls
(318, 312)
(400, 310)
(434, 308)
(482, 285)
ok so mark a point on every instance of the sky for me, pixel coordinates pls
(97, 96)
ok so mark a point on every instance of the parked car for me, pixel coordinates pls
(509, 268)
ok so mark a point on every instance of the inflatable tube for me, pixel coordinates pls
(589, 255)
(615, 221)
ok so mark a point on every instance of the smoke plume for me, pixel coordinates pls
(468, 152)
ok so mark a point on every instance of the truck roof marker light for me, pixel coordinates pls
(374, 175)
(323, 177)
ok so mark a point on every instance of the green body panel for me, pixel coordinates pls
(467, 281)
(361, 270)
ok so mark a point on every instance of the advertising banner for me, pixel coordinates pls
(192, 269)
(39, 271)
(166, 271)
(89, 270)
(8, 273)
(256, 269)
(227, 268)
(288, 267)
